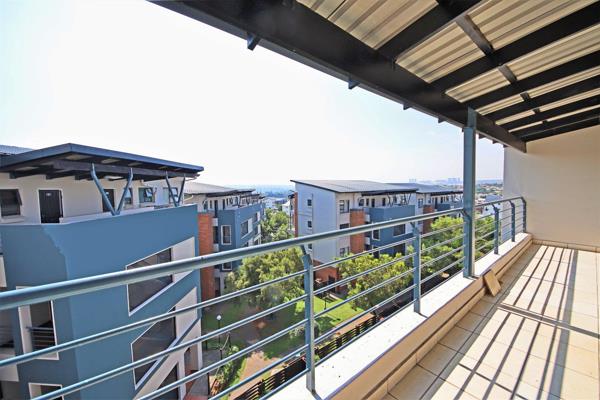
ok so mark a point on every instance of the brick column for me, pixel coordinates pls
(427, 223)
(357, 242)
(205, 246)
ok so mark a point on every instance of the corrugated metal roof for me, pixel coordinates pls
(355, 186)
(373, 22)
(504, 21)
(476, 87)
(540, 90)
(205, 188)
(443, 53)
(559, 52)
(8, 150)
(571, 99)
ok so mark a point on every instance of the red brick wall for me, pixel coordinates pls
(205, 246)
(428, 208)
(357, 242)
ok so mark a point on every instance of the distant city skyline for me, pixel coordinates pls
(163, 85)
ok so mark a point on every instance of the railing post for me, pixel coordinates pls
(416, 268)
(513, 221)
(496, 228)
(309, 315)
(469, 146)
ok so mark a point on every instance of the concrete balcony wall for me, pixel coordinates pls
(559, 177)
(39, 254)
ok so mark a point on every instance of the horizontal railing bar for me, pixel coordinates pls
(486, 244)
(489, 203)
(57, 290)
(455, 226)
(351, 278)
(343, 346)
(125, 328)
(442, 270)
(442, 256)
(484, 236)
(259, 373)
(120, 370)
(222, 362)
(459, 237)
(364, 292)
(362, 253)
(362, 314)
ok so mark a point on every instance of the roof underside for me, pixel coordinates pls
(73, 160)
(531, 69)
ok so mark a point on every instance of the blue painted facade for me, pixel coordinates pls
(39, 254)
(448, 206)
(386, 236)
(235, 217)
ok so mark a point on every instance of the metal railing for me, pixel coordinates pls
(41, 337)
(431, 257)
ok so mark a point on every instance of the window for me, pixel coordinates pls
(10, 202)
(309, 246)
(372, 202)
(344, 206)
(226, 266)
(376, 234)
(399, 230)
(40, 389)
(226, 234)
(141, 291)
(309, 224)
(245, 227)
(344, 226)
(420, 203)
(158, 338)
(215, 235)
(383, 200)
(168, 198)
(146, 195)
(344, 251)
(309, 202)
(361, 202)
(128, 196)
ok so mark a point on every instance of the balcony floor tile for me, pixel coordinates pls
(538, 338)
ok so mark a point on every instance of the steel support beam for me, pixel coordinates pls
(553, 112)
(303, 35)
(469, 157)
(573, 23)
(425, 27)
(125, 190)
(558, 126)
(550, 75)
(547, 98)
(105, 199)
(417, 268)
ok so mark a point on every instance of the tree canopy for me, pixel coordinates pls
(275, 226)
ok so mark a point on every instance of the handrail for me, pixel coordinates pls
(53, 291)
(22, 297)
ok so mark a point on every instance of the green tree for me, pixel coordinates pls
(364, 282)
(263, 268)
(274, 226)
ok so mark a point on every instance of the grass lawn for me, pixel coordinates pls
(282, 319)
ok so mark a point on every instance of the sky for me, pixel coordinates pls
(133, 76)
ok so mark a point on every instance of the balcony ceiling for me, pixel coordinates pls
(531, 69)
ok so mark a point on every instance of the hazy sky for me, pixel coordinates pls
(133, 76)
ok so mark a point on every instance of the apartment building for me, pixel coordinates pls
(72, 211)
(228, 218)
(327, 205)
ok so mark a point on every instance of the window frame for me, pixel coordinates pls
(143, 193)
(18, 205)
(155, 295)
(402, 226)
(376, 234)
(222, 238)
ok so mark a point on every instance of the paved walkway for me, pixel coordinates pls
(538, 339)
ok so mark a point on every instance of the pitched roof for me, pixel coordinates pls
(430, 189)
(355, 186)
(212, 190)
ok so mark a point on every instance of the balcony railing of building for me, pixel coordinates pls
(41, 337)
(431, 258)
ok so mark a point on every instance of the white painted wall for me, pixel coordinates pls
(560, 180)
(78, 197)
(323, 215)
